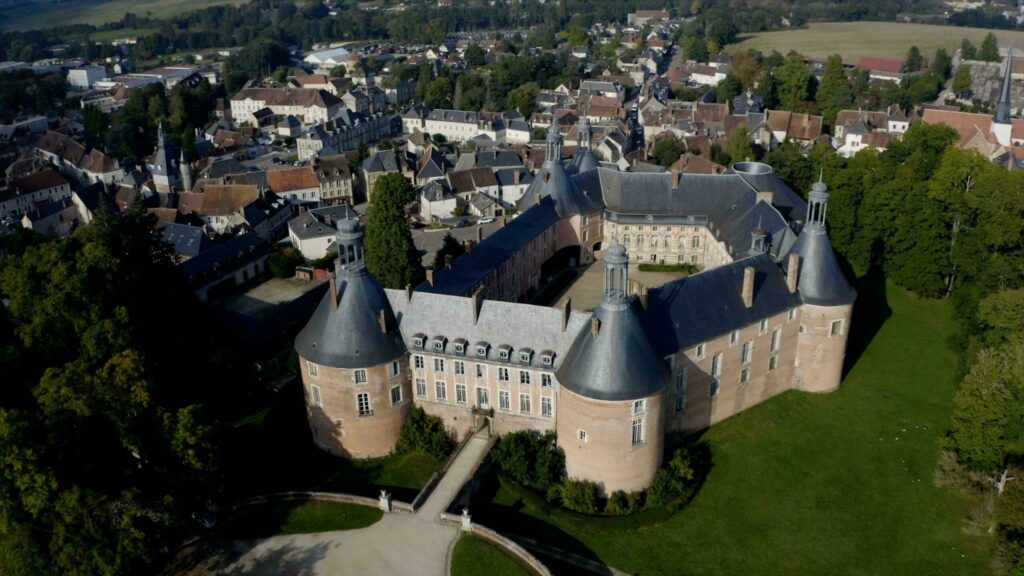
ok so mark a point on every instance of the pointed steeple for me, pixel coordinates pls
(821, 280)
(1002, 115)
(186, 172)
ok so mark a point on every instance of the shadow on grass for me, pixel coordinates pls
(296, 516)
(870, 312)
(222, 557)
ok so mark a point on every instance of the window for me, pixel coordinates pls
(460, 367)
(638, 431)
(363, 404)
(639, 406)
(803, 329)
(438, 364)
(744, 375)
(713, 389)
(734, 337)
(695, 242)
(460, 393)
(395, 368)
(625, 240)
(700, 350)
(460, 348)
(439, 344)
(417, 342)
(545, 406)
(668, 241)
(748, 349)
(545, 380)
(681, 389)
(792, 314)
(396, 395)
(314, 391)
(763, 327)
(693, 259)
(359, 376)
(417, 361)
(654, 242)
(524, 403)
(524, 357)
(524, 377)
(581, 435)
(503, 353)
(836, 329)
(773, 363)
(421, 387)
(716, 365)
(481, 351)
(481, 371)
(312, 369)
(776, 339)
(546, 359)
(503, 400)
(503, 374)
(639, 241)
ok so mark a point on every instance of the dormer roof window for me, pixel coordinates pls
(525, 355)
(481, 349)
(460, 345)
(504, 351)
(547, 357)
(439, 343)
(418, 340)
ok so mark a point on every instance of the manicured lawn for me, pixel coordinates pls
(851, 40)
(474, 556)
(97, 12)
(272, 451)
(840, 483)
(298, 517)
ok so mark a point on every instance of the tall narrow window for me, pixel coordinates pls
(545, 380)
(524, 377)
(681, 389)
(763, 327)
(481, 371)
(441, 390)
(460, 367)
(421, 387)
(503, 374)
(395, 368)
(744, 375)
(837, 328)
(460, 393)
(581, 435)
(545, 406)
(503, 400)
(396, 395)
(701, 348)
(748, 349)
(734, 337)
(418, 362)
(776, 339)
(639, 406)
(363, 403)
(638, 431)
(713, 389)
(312, 369)
(438, 364)
(524, 403)
(716, 365)
(360, 376)
(773, 363)
(314, 391)
(792, 314)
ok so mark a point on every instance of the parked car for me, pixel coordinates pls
(486, 220)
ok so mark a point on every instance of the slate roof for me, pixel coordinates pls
(469, 270)
(187, 241)
(538, 328)
(218, 260)
(702, 306)
(320, 222)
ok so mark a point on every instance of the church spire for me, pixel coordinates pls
(1002, 115)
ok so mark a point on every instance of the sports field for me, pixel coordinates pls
(851, 40)
(97, 12)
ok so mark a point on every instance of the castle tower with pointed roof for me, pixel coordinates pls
(164, 167)
(1001, 125)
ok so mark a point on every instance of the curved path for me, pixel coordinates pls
(399, 544)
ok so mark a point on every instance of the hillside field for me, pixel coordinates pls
(851, 40)
(96, 12)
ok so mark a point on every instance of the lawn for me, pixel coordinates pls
(272, 451)
(38, 16)
(297, 517)
(851, 40)
(841, 483)
(474, 556)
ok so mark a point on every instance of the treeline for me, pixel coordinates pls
(945, 222)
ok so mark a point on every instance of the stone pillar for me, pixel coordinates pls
(467, 522)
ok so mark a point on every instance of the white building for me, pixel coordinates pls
(84, 78)
(310, 106)
(327, 59)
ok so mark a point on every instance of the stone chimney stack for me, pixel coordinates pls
(748, 286)
(383, 322)
(595, 326)
(448, 259)
(479, 234)
(334, 291)
(566, 312)
(475, 299)
(793, 272)
(408, 292)
(467, 245)
(430, 277)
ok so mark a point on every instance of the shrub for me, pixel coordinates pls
(680, 268)
(580, 496)
(673, 480)
(284, 261)
(424, 433)
(635, 501)
(531, 459)
(616, 504)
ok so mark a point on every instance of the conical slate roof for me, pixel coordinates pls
(352, 335)
(821, 281)
(553, 180)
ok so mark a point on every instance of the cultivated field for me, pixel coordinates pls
(97, 12)
(851, 40)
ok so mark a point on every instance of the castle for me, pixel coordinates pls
(770, 312)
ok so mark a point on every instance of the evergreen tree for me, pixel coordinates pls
(942, 63)
(834, 91)
(967, 50)
(914, 61)
(740, 147)
(391, 255)
(962, 80)
(989, 51)
(794, 80)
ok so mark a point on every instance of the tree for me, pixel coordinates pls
(834, 92)
(696, 49)
(942, 63)
(338, 71)
(989, 51)
(962, 82)
(523, 99)
(967, 50)
(475, 55)
(667, 149)
(794, 80)
(914, 61)
(728, 88)
(740, 146)
(391, 255)
(989, 397)
(439, 93)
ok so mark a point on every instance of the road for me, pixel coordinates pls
(428, 240)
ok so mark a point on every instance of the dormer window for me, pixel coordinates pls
(418, 340)
(547, 358)
(481, 349)
(525, 355)
(439, 343)
(460, 346)
(504, 351)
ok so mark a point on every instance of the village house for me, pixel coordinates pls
(311, 106)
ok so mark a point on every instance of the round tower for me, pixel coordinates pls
(352, 359)
(611, 401)
(827, 301)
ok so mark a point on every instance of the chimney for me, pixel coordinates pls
(645, 293)
(430, 277)
(566, 312)
(536, 198)
(476, 303)
(793, 276)
(334, 292)
(467, 245)
(748, 286)
(515, 177)
(479, 234)
(383, 322)
(504, 220)
(547, 176)
(408, 292)
(595, 326)
(448, 259)
(677, 177)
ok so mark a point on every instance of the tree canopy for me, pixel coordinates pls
(391, 255)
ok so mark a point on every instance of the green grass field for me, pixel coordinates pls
(851, 40)
(474, 556)
(840, 483)
(298, 517)
(97, 12)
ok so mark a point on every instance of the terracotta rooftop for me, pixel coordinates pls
(292, 179)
